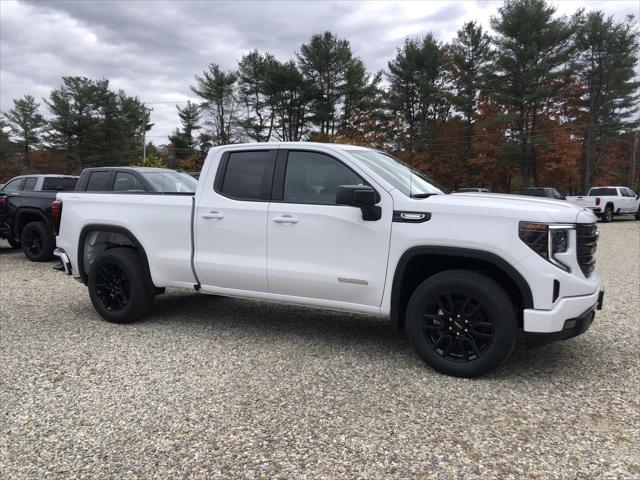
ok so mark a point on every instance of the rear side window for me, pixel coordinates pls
(127, 182)
(594, 192)
(30, 184)
(98, 181)
(13, 185)
(248, 175)
(59, 184)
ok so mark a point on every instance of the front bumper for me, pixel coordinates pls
(568, 314)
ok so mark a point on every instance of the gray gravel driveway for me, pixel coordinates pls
(213, 387)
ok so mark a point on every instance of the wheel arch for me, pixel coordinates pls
(419, 263)
(26, 215)
(126, 238)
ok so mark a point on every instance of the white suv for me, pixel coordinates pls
(348, 228)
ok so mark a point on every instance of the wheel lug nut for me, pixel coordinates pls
(466, 330)
(450, 328)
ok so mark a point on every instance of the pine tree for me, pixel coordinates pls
(605, 63)
(183, 140)
(26, 124)
(532, 51)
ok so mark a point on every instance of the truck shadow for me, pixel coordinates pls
(369, 336)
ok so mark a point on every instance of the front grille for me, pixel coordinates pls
(587, 234)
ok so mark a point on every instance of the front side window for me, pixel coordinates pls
(13, 185)
(127, 182)
(314, 178)
(171, 182)
(30, 184)
(98, 181)
(248, 175)
(409, 181)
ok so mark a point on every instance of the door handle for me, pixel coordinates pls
(216, 215)
(285, 219)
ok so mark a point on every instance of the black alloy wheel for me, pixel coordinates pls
(36, 240)
(32, 242)
(457, 327)
(607, 216)
(119, 285)
(112, 287)
(462, 323)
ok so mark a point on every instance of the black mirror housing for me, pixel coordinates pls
(361, 196)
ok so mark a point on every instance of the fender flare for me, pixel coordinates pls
(20, 211)
(112, 229)
(397, 313)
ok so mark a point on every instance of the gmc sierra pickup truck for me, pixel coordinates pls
(606, 202)
(348, 228)
(26, 214)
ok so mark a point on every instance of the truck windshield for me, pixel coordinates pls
(602, 192)
(171, 182)
(409, 181)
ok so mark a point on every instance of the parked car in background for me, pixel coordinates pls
(472, 189)
(348, 228)
(195, 175)
(25, 212)
(606, 202)
(135, 180)
(546, 192)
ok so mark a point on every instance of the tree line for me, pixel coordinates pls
(538, 99)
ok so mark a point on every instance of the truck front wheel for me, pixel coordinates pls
(462, 323)
(118, 286)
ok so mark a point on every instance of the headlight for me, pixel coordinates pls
(547, 240)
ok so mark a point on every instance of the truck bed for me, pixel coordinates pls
(162, 223)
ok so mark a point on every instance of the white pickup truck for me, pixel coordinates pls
(348, 228)
(606, 202)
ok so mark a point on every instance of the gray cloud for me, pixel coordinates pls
(154, 49)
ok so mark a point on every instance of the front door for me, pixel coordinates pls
(317, 249)
(231, 222)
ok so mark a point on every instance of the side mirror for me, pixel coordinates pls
(363, 197)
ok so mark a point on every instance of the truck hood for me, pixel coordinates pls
(518, 207)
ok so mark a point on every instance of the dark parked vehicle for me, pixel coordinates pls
(26, 212)
(542, 192)
(135, 180)
(472, 189)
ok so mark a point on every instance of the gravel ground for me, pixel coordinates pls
(214, 387)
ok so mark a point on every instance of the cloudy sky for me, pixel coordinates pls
(153, 49)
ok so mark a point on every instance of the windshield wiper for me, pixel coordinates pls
(422, 195)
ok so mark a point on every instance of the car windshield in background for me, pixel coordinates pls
(409, 181)
(59, 184)
(171, 182)
(602, 192)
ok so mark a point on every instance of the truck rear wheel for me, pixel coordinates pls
(462, 323)
(607, 215)
(118, 286)
(37, 242)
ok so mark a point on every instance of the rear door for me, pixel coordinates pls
(316, 248)
(230, 222)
